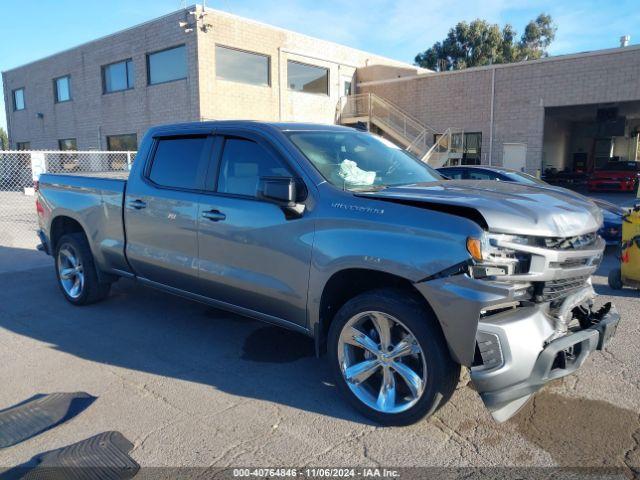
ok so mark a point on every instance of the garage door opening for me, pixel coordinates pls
(585, 138)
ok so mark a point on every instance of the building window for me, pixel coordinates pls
(307, 78)
(18, 99)
(67, 144)
(23, 145)
(118, 76)
(241, 66)
(62, 88)
(122, 143)
(179, 162)
(167, 65)
(466, 149)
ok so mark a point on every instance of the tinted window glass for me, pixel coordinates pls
(23, 146)
(240, 66)
(176, 162)
(243, 163)
(18, 99)
(452, 174)
(122, 143)
(63, 89)
(118, 76)
(167, 65)
(307, 78)
(481, 175)
(67, 144)
(622, 166)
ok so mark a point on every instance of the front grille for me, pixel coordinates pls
(571, 243)
(555, 289)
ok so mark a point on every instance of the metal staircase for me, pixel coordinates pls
(383, 117)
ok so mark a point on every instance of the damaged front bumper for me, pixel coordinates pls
(524, 368)
(511, 345)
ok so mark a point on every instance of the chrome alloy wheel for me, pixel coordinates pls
(382, 362)
(70, 271)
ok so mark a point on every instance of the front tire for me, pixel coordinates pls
(76, 271)
(389, 357)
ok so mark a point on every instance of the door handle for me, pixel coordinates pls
(214, 215)
(137, 204)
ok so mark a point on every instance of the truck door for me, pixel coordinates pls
(251, 254)
(161, 211)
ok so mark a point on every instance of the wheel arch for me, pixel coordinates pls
(62, 225)
(346, 284)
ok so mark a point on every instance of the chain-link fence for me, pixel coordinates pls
(18, 171)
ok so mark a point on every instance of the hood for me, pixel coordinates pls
(506, 207)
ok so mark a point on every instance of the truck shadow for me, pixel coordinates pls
(578, 432)
(142, 329)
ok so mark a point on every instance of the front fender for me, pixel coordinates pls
(407, 242)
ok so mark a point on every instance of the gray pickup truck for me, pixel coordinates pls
(401, 277)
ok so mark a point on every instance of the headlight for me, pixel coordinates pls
(494, 260)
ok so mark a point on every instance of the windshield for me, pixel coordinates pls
(622, 166)
(522, 177)
(361, 161)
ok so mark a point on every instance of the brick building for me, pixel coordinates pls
(180, 67)
(564, 112)
(556, 112)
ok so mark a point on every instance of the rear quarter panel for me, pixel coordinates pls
(96, 204)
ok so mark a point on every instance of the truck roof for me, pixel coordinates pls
(199, 127)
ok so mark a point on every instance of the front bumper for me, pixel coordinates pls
(525, 368)
(527, 351)
(612, 184)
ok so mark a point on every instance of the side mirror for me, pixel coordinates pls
(285, 192)
(280, 190)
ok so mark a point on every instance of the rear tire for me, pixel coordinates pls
(76, 271)
(615, 279)
(410, 321)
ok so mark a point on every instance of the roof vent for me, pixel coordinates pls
(624, 41)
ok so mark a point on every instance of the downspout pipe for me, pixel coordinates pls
(493, 92)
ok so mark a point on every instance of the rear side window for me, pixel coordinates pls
(243, 163)
(177, 162)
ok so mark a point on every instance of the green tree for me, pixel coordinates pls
(482, 43)
(4, 140)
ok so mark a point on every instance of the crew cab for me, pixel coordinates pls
(401, 277)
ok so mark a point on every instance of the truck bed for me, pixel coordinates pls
(95, 201)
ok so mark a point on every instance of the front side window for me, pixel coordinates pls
(361, 161)
(243, 163)
(18, 99)
(23, 145)
(307, 78)
(167, 65)
(177, 162)
(118, 76)
(62, 87)
(67, 144)
(122, 143)
(240, 66)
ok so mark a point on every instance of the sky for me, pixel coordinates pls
(395, 28)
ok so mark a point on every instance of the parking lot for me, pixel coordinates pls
(194, 386)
